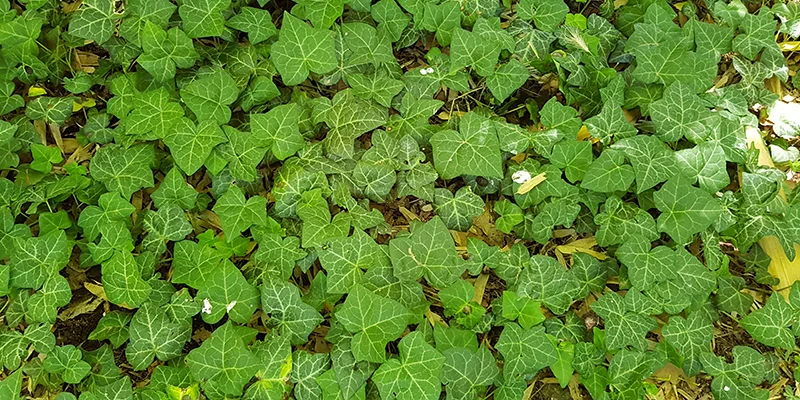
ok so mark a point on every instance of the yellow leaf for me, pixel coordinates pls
(780, 266)
(34, 91)
(583, 246)
(528, 185)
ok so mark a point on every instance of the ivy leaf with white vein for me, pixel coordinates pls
(93, 21)
(210, 96)
(174, 191)
(122, 280)
(415, 375)
(111, 209)
(275, 353)
(472, 150)
(679, 113)
(306, 367)
(227, 291)
(377, 86)
(757, 32)
(321, 13)
(770, 324)
(256, 22)
(288, 313)
(466, 373)
(547, 14)
(154, 115)
(44, 304)
(609, 173)
(706, 163)
(223, 360)
(36, 259)
(67, 361)
(166, 224)
(123, 170)
(301, 49)
(348, 117)
(390, 18)
(278, 130)
(691, 337)
(191, 144)
(647, 267)
(506, 79)
(430, 252)
(373, 320)
(203, 18)
(114, 327)
(685, 209)
(610, 124)
(277, 256)
(345, 260)
(546, 280)
(350, 374)
(152, 334)
(237, 214)
(620, 221)
(193, 264)
(458, 211)
(163, 51)
(623, 326)
(525, 351)
(652, 161)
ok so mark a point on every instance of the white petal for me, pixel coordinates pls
(521, 176)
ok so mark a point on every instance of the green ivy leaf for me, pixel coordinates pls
(472, 150)
(163, 51)
(112, 327)
(210, 95)
(36, 259)
(691, 336)
(279, 130)
(124, 170)
(457, 212)
(93, 21)
(652, 161)
(112, 210)
(430, 252)
(525, 351)
(237, 214)
(547, 15)
(223, 360)
(348, 117)
(608, 173)
(203, 18)
(256, 22)
(301, 49)
(289, 314)
(122, 280)
(166, 224)
(191, 144)
(416, 373)
(770, 324)
(227, 291)
(154, 115)
(53, 110)
(374, 321)
(627, 319)
(152, 334)
(685, 210)
(345, 260)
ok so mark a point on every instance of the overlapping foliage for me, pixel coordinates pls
(346, 199)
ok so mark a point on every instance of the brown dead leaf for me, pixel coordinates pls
(84, 306)
(583, 246)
